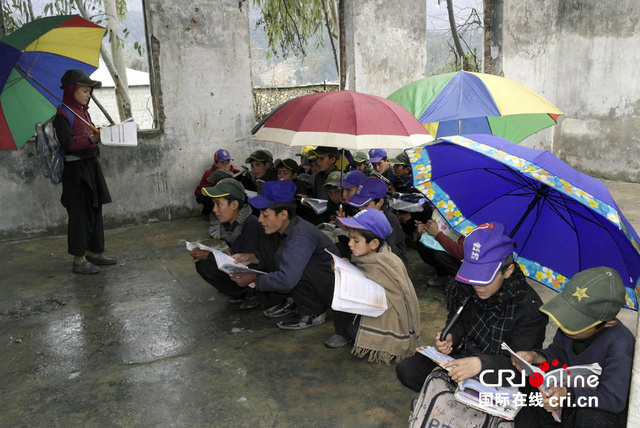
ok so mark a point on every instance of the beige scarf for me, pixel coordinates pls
(396, 333)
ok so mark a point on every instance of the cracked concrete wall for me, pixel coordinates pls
(202, 79)
(386, 44)
(583, 56)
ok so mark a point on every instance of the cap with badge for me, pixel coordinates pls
(370, 189)
(485, 248)
(401, 159)
(360, 157)
(274, 192)
(376, 155)
(226, 187)
(369, 219)
(592, 296)
(260, 156)
(288, 163)
(333, 179)
(325, 151)
(221, 155)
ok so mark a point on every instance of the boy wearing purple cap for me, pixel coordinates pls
(502, 307)
(395, 334)
(221, 160)
(380, 162)
(372, 193)
(293, 251)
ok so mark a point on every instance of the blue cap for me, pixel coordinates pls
(376, 155)
(221, 156)
(274, 192)
(353, 178)
(369, 219)
(485, 248)
(370, 189)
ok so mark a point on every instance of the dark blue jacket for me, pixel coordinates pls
(296, 255)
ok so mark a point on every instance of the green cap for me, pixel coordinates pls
(360, 157)
(288, 163)
(401, 159)
(589, 298)
(260, 156)
(226, 187)
(219, 174)
(333, 179)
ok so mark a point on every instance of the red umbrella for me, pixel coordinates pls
(342, 119)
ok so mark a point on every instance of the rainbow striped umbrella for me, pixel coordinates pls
(32, 61)
(476, 103)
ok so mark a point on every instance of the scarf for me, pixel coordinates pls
(396, 333)
(231, 232)
(492, 319)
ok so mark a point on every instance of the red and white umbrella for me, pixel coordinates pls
(342, 119)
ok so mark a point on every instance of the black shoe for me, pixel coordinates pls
(85, 268)
(250, 302)
(438, 281)
(101, 260)
(281, 309)
(302, 321)
(337, 341)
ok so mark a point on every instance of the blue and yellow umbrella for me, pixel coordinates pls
(32, 61)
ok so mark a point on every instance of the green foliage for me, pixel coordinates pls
(291, 24)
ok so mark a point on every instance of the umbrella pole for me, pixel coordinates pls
(340, 212)
(532, 204)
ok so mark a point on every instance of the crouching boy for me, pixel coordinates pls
(395, 334)
(502, 308)
(588, 332)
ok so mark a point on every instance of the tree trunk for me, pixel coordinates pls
(3, 30)
(113, 27)
(333, 46)
(343, 45)
(454, 33)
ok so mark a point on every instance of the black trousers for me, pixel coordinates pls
(346, 324)
(413, 371)
(207, 204)
(85, 230)
(208, 270)
(444, 263)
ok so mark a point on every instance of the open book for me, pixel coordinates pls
(556, 377)
(224, 262)
(123, 134)
(317, 205)
(436, 356)
(494, 400)
(354, 292)
(335, 230)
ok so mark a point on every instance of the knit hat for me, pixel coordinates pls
(226, 187)
(589, 298)
(485, 248)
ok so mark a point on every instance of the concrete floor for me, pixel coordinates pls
(148, 343)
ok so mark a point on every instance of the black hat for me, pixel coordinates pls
(80, 77)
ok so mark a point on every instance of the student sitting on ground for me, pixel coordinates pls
(371, 194)
(240, 230)
(261, 169)
(288, 170)
(588, 332)
(402, 177)
(221, 160)
(293, 252)
(395, 334)
(361, 163)
(502, 308)
(326, 163)
(380, 162)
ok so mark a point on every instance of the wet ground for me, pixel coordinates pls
(148, 343)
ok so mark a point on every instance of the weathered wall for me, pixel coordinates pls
(583, 56)
(386, 44)
(201, 51)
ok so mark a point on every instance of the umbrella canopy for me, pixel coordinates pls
(342, 119)
(32, 61)
(563, 221)
(476, 103)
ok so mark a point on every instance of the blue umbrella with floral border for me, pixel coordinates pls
(564, 221)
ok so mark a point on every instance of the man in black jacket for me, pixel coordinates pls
(502, 308)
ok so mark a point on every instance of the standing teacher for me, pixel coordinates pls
(84, 189)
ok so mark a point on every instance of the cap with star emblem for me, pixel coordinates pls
(589, 298)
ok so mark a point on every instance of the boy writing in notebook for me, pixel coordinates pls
(502, 308)
(588, 332)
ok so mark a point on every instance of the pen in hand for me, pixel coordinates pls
(454, 318)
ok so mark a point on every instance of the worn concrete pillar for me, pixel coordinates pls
(386, 44)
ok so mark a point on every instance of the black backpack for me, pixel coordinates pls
(48, 148)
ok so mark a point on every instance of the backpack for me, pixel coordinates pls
(48, 148)
(436, 407)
